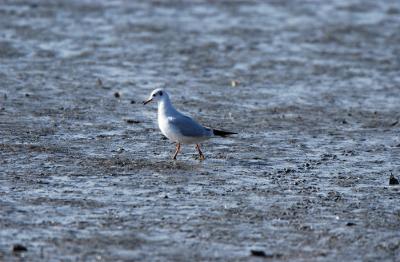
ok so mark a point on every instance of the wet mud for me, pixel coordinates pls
(312, 88)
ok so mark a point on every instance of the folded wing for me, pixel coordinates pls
(188, 127)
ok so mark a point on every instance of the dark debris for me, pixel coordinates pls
(393, 180)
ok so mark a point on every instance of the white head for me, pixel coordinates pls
(157, 95)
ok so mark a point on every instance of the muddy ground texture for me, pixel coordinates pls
(86, 175)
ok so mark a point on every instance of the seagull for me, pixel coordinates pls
(178, 127)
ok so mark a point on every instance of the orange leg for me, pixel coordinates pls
(178, 147)
(200, 153)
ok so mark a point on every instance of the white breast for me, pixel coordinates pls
(167, 129)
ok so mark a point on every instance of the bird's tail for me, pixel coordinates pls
(222, 133)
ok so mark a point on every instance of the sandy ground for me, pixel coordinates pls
(316, 106)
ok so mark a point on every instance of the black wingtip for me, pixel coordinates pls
(223, 133)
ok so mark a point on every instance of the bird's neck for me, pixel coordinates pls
(165, 107)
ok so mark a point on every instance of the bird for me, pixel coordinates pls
(178, 127)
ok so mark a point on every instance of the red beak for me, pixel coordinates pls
(148, 101)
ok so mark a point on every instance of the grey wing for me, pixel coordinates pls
(188, 127)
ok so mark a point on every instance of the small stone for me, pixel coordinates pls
(133, 102)
(234, 83)
(120, 150)
(350, 224)
(258, 253)
(131, 121)
(393, 180)
(19, 248)
(117, 95)
(27, 95)
(99, 82)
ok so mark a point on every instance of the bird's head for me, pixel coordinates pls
(157, 95)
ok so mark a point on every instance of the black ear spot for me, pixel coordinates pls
(160, 93)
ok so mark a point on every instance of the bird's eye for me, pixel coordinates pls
(160, 93)
(154, 95)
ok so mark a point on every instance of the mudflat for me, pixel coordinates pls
(312, 88)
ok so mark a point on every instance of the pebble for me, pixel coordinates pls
(99, 82)
(258, 253)
(131, 121)
(120, 150)
(19, 248)
(261, 253)
(234, 83)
